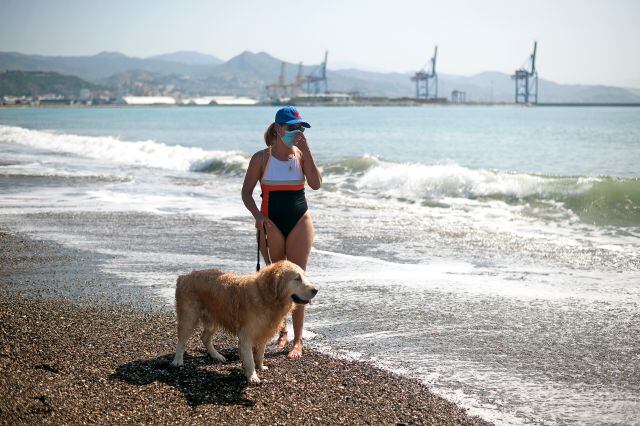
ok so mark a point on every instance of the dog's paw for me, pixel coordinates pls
(264, 367)
(177, 363)
(220, 358)
(253, 379)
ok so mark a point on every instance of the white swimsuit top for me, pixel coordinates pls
(283, 173)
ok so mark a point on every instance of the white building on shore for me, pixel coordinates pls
(149, 100)
(202, 100)
(219, 100)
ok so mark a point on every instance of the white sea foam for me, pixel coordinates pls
(138, 153)
(529, 283)
(367, 173)
(434, 181)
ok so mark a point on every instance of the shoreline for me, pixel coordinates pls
(101, 353)
(344, 105)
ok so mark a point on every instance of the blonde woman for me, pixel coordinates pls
(282, 170)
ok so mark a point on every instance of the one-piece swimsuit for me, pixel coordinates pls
(283, 199)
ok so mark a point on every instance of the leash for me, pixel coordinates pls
(266, 242)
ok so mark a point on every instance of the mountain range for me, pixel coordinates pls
(247, 74)
(42, 83)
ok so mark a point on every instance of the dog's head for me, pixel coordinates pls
(291, 284)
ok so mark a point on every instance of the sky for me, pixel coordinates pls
(579, 42)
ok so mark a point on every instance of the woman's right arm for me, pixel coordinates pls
(250, 180)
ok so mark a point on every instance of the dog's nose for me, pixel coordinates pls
(314, 292)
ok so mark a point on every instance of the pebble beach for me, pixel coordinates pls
(71, 352)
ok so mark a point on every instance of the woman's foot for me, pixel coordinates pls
(296, 352)
(282, 340)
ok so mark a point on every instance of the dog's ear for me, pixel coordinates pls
(283, 276)
(280, 280)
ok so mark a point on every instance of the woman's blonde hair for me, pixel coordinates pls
(270, 134)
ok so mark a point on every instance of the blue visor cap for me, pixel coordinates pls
(290, 115)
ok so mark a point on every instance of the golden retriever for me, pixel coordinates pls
(249, 306)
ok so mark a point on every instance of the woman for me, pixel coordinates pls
(282, 169)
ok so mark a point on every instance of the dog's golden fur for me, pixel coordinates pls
(249, 306)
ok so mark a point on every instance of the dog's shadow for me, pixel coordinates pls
(196, 380)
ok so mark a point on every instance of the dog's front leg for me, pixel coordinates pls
(246, 356)
(258, 355)
(178, 358)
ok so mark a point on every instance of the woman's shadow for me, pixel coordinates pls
(198, 384)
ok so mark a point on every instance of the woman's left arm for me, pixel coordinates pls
(311, 172)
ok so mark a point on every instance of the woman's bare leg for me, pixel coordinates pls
(276, 244)
(297, 249)
(277, 252)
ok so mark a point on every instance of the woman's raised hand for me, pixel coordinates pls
(301, 142)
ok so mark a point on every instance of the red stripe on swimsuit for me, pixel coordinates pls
(280, 176)
(283, 199)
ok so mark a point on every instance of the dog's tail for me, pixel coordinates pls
(179, 282)
(179, 285)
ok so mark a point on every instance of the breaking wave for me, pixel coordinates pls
(139, 153)
(596, 200)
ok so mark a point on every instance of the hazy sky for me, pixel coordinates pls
(578, 41)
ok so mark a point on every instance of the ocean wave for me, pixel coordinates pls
(147, 153)
(608, 202)
(596, 200)
(420, 181)
(64, 178)
(352, 166)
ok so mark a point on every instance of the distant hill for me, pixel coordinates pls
(189, 58)
(248, 73)
(38, 83)
(97, 67)
(499, 87)
(370, 83)
(258, 66)
(139, 83)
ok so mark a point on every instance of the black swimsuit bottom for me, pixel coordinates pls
(286, 208)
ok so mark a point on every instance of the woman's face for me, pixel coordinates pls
(281, 129)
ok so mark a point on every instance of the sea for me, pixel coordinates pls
(491, 252)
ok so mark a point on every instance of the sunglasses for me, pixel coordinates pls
(293, 127)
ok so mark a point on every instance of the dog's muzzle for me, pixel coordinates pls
(300, 301)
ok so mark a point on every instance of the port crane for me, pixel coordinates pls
(298, 83)
(317, 77)
(526, 80)
(315, 81)
(279, 89)
(427, 81)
